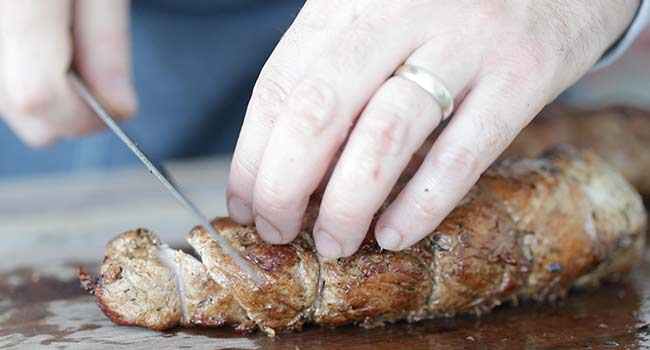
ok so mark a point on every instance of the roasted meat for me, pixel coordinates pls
(530, 228)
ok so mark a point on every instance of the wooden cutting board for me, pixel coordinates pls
(50, 227)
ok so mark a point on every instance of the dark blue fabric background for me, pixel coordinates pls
(195, 63)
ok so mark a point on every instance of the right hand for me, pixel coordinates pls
(39, 40)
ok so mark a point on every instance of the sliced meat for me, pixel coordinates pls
(135, 288)
(144, 283)
(290, 274)
(206, 303)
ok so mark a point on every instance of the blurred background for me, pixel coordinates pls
(195, 63)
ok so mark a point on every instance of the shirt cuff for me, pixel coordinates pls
(641, 20)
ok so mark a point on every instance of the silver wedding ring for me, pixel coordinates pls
(427, 81)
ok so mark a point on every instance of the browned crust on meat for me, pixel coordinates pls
(476, 255)
(372, 287)
(271, 258)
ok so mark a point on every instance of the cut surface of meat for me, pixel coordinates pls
(145, 283)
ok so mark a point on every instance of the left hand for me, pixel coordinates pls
(328, 86)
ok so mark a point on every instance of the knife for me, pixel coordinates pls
(103, 114)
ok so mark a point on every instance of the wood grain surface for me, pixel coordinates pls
(51, 226)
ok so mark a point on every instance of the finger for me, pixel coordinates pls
(102, 54)
(487, 121)
(316, 119)
(36, 50)
(395, 122)
(390, 130)
(33, 131)
(304, 41)
(29, 78)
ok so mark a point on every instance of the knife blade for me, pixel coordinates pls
(105, 116)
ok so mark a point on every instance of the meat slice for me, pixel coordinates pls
(145, 283)
(528, 229)
(203, 302)
(290, 274)
(135, 288)
(208, 304)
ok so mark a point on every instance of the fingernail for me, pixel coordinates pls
(240, 211)
(327, 246)
(267, 231)
(389, 238)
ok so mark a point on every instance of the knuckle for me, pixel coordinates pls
(388, 124)
(344, 215)
(272, 198)
(386, 130)
(456, 162)
(269, 94)
(491, 11)
(311, 106)
(31, 100)
(485, 20)
(243, 166)
(364, 26)
(307, 24)
(423, 209)
(396, 11)
(352, 54)
(311, 15)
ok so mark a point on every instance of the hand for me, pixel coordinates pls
(328, 86)
(38, 42)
